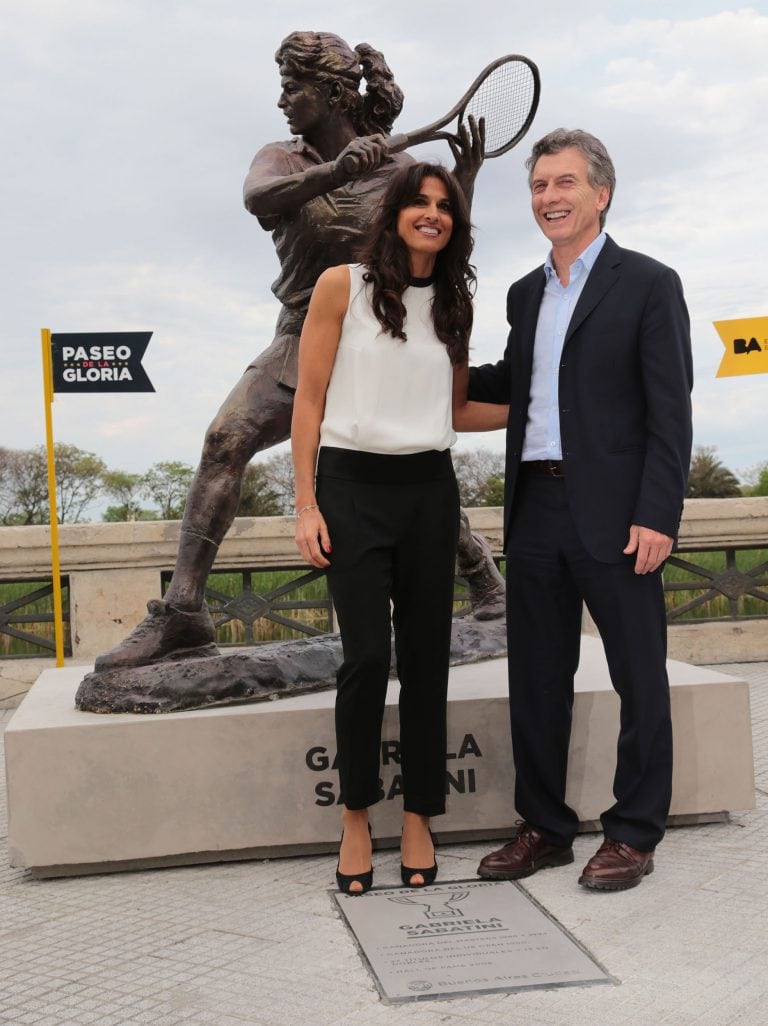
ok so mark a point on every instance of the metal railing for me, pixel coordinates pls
(719, 575)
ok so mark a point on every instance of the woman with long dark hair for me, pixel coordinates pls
(384, 343)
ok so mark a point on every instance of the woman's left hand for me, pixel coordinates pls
(469, 153)
(312, 538)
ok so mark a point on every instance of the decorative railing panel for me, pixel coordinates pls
(26, 619)
(725, 584)
(256, 605)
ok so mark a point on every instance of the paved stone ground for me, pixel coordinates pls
(259, 943)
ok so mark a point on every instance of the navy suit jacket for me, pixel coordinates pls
(624, 395)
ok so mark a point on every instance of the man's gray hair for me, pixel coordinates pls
(600, 169)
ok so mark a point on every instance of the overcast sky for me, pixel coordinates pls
(127, 127)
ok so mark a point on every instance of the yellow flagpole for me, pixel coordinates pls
(58, 618)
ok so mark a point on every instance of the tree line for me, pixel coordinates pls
(83, 479)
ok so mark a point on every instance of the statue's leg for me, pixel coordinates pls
(476, 566)
(255, 415)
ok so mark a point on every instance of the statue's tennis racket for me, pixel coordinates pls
(506, 94)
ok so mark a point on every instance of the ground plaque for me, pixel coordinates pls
(465, 937)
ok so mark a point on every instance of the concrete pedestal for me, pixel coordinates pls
(94, 793)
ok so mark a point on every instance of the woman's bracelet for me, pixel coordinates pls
(305, 508)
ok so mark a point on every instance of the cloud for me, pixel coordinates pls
(706, 75)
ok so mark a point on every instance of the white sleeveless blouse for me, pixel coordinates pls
(386, 395)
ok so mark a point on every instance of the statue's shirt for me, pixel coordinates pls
(325, 230)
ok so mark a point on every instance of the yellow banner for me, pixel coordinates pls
(746, 346)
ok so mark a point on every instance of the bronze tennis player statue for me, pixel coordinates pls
(315, 193)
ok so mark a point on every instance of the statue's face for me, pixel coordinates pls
(304, 103)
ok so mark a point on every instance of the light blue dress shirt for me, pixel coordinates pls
(542, 434)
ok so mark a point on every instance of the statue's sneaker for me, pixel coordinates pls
(166, 633)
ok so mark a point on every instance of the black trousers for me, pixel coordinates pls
(549, 574)
(393, 523)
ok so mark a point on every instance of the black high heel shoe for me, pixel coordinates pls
(345, 880)
(427, 875)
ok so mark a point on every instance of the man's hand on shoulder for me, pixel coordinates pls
(651, 547)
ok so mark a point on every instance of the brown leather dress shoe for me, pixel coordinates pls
(523, 856)
(616, 867)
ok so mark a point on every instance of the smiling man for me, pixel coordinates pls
(597, 373)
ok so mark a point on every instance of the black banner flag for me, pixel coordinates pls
(100, 362)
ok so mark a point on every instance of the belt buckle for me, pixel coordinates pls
(552, 468)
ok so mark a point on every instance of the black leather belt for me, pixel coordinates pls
(550, 468)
